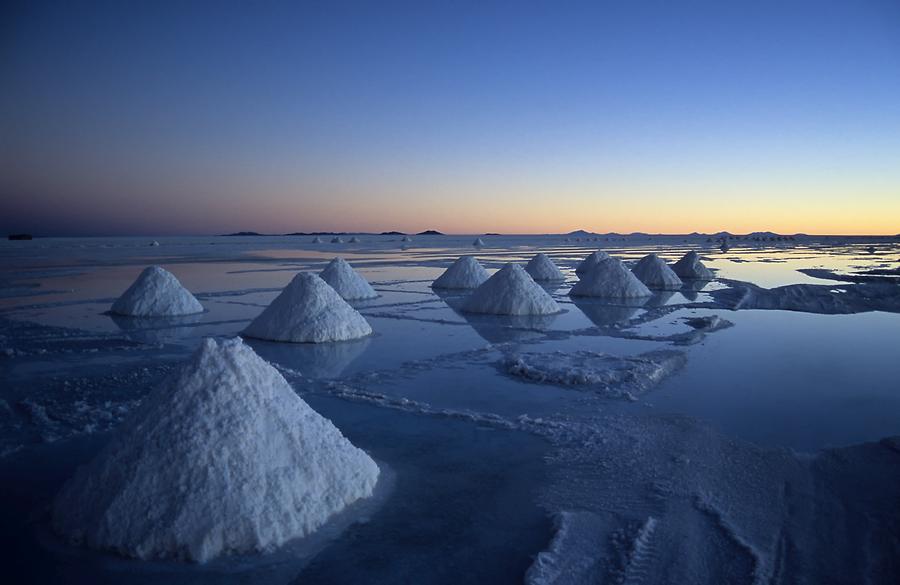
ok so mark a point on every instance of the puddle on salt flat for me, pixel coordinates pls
(792, 379)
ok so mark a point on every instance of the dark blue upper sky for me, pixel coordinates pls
(202, 117)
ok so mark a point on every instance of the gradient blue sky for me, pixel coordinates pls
(207, 117)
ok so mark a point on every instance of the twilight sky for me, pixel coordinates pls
(124, 117)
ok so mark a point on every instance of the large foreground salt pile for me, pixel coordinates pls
(691, 268)
(346, 281)
(156, 293)
(655, 273)
(592, 260)
(542, 269)
(308, 311)
(223, 457)
(610, 278)
(511, 291)
(466, 272)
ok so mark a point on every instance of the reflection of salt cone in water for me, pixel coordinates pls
(659, 298)
(691, 288)
(156, 329)
(313, 360)
(605, 313)
(498, 328)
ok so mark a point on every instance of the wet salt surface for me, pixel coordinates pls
(432, 383)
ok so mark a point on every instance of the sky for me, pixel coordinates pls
(178, 118)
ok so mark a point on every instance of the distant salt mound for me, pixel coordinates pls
(223, 457)
(346, 281)
(610, 278)
(542, 269)
(511, 291)
(466, 272)
(337, 240)
(308, 310)
(724, 247)
(354, 240)
(317, 240)
(154, 243)
(156, 293)
(406, 239)
(656, 274)
(478, 242)
(592, 260)
(691, 268)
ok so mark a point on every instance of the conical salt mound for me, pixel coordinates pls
(656, 274)
(354, 240)
(542, 269)
(478, 242)
(406, 239)
(156, 293)
(337, 240)
(611, 279)
(691, 268)
(223, 457)
(308, 311)
(317, 240)
(511, 291)
(466, 272)
(350, 285)
(591, 261)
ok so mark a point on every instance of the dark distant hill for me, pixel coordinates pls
(244, 234)
(491, 234)
(393, 234)
(430, 233)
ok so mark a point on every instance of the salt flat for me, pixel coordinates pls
(599, 444)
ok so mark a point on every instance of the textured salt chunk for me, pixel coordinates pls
(541, 268)
(156, 293)
(466, 272)
(610, 278)
(592, 260)
(691, 268)
(223, 457)
(656, 274)
(350, 285)
(511, 291)
(308, 310)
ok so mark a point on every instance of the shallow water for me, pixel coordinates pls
(483, 460)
